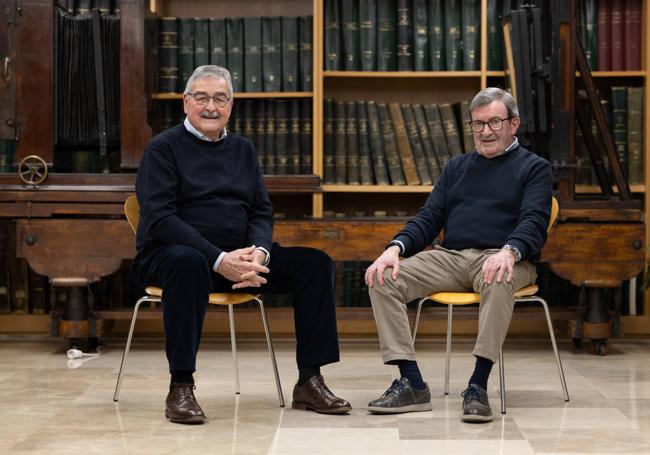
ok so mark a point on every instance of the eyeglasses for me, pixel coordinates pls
(495, 124)
(202, 98)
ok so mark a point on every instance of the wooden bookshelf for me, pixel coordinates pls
(402, 74)
(377, 188)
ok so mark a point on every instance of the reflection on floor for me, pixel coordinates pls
(49, 405)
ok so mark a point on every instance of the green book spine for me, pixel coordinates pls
(452, 35)
(386, 35)
(218, 44)
(270, 150)
(471, 26)
(635, 134)
(437, 133)
(185, 51)
(590, 41)
(248, 120)
(390, 146)
(293, 140)
(451, 129)
(427, 144)
(289, 54)
(340, 159)
(306, 155)
(252, 54)
(404, 35)
(168, 55)
(328, 142)
(306, 53)
(465, 118)
(351, 38)
(281, 137)
(494, 36)
(368, 25)
(272, 53)
(201, 41)
(235, 40)
(260, 132)
(237, 123)
(332, 35)
(420, 36)
(419, 157)
(352, 143)
(436, 20)
(619, 115)
(377, 145)
(365, 160)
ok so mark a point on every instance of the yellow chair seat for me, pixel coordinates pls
(467, 298)
(216, 298)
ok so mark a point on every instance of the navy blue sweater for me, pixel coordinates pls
(206, 195)
(485, 203)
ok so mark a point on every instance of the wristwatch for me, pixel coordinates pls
(512, 250)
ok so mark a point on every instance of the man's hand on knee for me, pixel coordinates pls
(242, 267)
(388, 259)
(498, 265)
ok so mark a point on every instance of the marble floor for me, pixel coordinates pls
(49, 405)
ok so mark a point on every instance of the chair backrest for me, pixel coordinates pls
(132, 212)
(555, 210)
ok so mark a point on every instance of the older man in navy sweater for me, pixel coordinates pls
(206, 224)
(494, 205)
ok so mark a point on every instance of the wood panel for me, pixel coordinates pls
(7, 70)
(34, 83)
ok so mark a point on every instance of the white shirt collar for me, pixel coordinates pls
(203, 137)
(513, 145)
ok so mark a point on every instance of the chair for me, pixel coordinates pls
(154, 294)
(526, 294)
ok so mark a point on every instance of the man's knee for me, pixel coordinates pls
(190, 265)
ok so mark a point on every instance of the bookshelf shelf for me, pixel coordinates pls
(376, 188)
(616, 74)
(401, 74)
(241, 95)
(595, 189)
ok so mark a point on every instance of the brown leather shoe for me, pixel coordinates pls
(314, 395)
(181, 405)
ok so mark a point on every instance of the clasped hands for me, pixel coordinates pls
(243, 267)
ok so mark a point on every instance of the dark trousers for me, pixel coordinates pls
(186, 279)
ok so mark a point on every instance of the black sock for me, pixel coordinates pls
(409, 369)
(306, 373)
(481, 372)
(182, 377)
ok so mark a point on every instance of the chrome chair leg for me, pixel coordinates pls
(146, 298)
(450, 309)
(502, 382)
(270, 343)
(233, 345)
(417, 318)
(558, 362)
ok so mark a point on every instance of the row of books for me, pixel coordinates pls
(367, 143)
(263, 54)
(624, 111)
(410, 35)
(610, 32)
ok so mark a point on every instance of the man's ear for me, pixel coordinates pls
(515, 122)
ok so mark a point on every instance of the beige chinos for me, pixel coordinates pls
(439, 270)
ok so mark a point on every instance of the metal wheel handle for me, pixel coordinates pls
(32, 170)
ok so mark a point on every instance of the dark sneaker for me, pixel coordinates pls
(476, 407)
(401, 396)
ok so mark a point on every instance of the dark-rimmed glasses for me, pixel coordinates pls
(495, 124)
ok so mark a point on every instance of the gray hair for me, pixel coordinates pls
(491, 94)
(209, 71)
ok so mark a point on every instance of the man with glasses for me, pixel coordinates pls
(206, 225)
(494, 205)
